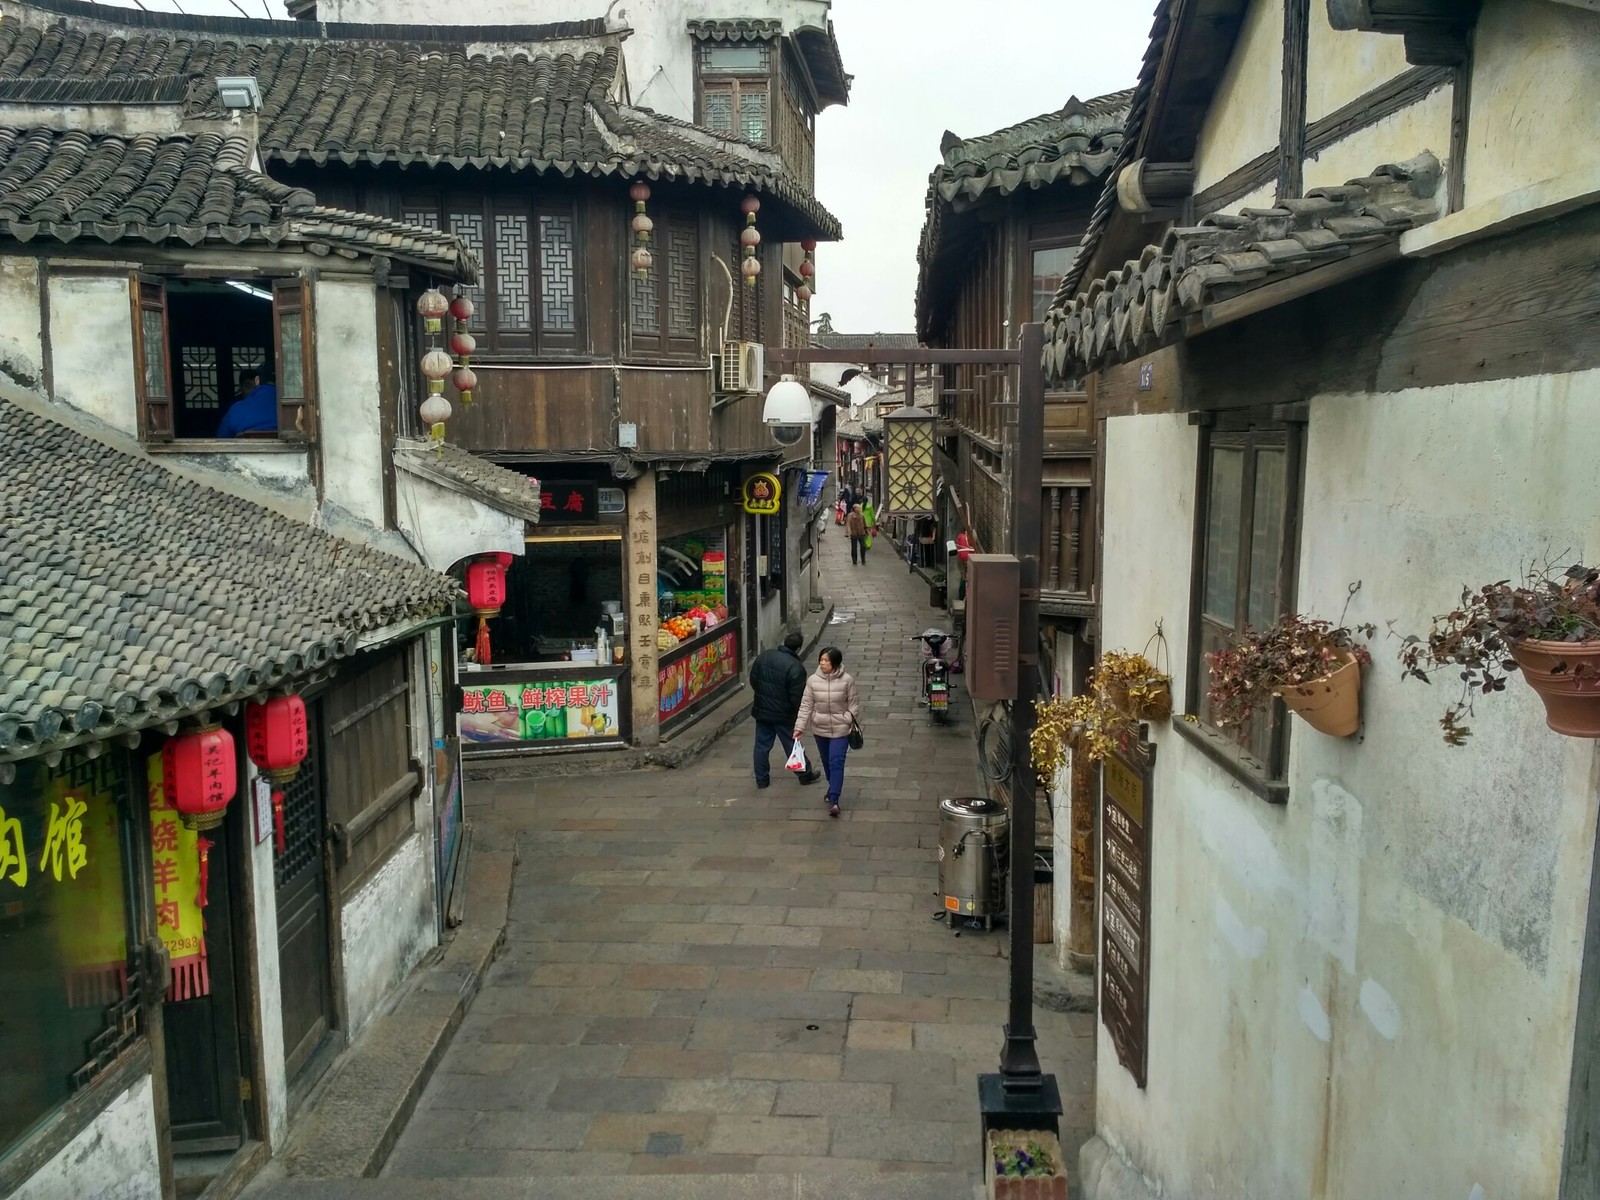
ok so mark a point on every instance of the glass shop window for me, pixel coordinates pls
(224, 361)
(68, 1000)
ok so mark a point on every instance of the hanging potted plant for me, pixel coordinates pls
(1123, 690)
(1314, 666)
(1548, 626)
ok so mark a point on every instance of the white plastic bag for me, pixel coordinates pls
(797, 758)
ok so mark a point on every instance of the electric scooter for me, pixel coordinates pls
(935, 674)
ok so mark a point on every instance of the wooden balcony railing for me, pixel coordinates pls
(1066, 564)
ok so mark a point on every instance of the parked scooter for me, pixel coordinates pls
(935, 673)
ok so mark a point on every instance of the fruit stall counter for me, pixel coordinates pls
(530, 708)
(698, 673)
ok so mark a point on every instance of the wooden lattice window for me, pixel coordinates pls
(664, 304)
(735, 95)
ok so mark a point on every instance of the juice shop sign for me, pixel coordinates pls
(532, 712)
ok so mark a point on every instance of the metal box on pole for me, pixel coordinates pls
(994, 613)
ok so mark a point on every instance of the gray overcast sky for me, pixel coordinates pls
(920, 67)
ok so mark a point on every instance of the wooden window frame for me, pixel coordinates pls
(357, 857)
(663, 345)
(495, 339)
(297, 414)
(1252, 431)
(738, 82)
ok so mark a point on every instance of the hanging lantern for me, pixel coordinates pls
(200, 774)
(806, 269)
(809, 245)
(275, 738)
(639, 192)
(486, 592)
(465, 380)
(461, 308)
(750, 238)
(462, 344)
(435, 411)
(433, 306)
(803, 293)
(436, 365)
(641, 260)
(642, 226)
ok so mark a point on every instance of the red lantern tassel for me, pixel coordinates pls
(277, 821)
(483, 641)
(203, 845)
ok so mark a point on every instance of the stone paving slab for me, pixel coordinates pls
(707, 982)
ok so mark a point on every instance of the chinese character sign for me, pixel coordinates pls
(542, 710)
(175, 866)
(761, 493)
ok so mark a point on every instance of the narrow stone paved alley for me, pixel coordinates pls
(700, 978)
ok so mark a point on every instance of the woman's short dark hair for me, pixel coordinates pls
(835, 657)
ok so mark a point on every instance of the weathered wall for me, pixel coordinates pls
(447, 526)
(21, 345)
(1243, 121)
(1410, 899)
(286, 473)
(1341, 64)
(349, 420)
(1405, 134)
(1535, 95)
(115, 1158)
(91, 347)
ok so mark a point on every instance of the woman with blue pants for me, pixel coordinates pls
(832, 707)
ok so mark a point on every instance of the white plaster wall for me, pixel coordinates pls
(275, 1085)
(447, 526)
(1407, 133)
(659, 54)
(21, 344)
(91, 347)
(1262, 197)
(1319, 970)
(1344, 64)
(114, 1158)
(1535, 95)
(389, 925)
(349, 430)
(1243, 121)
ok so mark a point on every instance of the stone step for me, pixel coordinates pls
(820, 1186)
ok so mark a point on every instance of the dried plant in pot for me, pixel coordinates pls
(1123, 690)
(1313, 665)
(1548, 626)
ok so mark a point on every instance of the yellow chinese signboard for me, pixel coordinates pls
(175, 862)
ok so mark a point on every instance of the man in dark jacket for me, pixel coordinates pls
(778, 679)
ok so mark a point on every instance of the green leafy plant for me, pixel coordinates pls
(1475, 638)
(1260, 663)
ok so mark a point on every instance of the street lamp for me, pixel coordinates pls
(908, 462)
(787, 411)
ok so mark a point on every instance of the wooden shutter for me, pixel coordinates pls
(152, 359)
(371, 776)
(292, 346)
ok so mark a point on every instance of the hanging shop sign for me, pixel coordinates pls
(811, 489)
(175, 864)
(568, 502)
(539, 711)
(761, 494)
(1125, 906)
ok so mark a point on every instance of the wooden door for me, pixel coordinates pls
(300, 874)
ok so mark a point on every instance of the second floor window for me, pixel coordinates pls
(529, 296)
(734, 90)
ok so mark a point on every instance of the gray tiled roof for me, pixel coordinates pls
(1077, 144)
(457, 96)
(1140, 306)
(462, 471)
(865, 341)
(130, 595)
(67, 184)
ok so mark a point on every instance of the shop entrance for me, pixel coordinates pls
(300, 877)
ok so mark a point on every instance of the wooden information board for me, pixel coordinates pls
(1125, 905)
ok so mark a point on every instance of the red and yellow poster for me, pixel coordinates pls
(175, 861)
(699, 673)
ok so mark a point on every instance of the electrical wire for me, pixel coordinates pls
(995, 759)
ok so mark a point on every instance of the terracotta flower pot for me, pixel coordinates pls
(1567, 677)
(1331, 704)
(1033, 1187)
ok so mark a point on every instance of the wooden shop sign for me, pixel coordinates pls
(1125, 905)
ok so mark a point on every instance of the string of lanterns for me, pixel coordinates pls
(808, 269)
(437, 363)
(642, 225)
(750, 238)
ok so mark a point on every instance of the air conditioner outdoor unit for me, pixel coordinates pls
(743, 366)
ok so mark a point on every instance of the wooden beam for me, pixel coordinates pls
(1292, 122)
(785, 356)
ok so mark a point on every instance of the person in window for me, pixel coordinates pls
(256, 409)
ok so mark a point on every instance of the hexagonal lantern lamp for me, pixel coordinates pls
(908, 437)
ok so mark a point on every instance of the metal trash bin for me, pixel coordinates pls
(974, 858)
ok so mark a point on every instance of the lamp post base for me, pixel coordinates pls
(1029, 1102)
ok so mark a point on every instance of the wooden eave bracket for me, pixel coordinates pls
(1437, 32)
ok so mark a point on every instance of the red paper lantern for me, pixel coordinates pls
(200, 773)
(750, 206)
(807, 270)
(463, 343)
(486, 592)
(461, 308)
(275, 736)
(639, 192)
(809, 245)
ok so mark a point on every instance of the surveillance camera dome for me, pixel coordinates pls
(788, 435)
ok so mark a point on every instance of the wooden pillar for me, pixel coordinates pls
(642, 619)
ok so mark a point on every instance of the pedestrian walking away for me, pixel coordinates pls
(778, 681)
(869, 514)
(831, 707)
(856, 526)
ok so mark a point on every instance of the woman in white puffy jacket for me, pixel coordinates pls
(831, 706)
